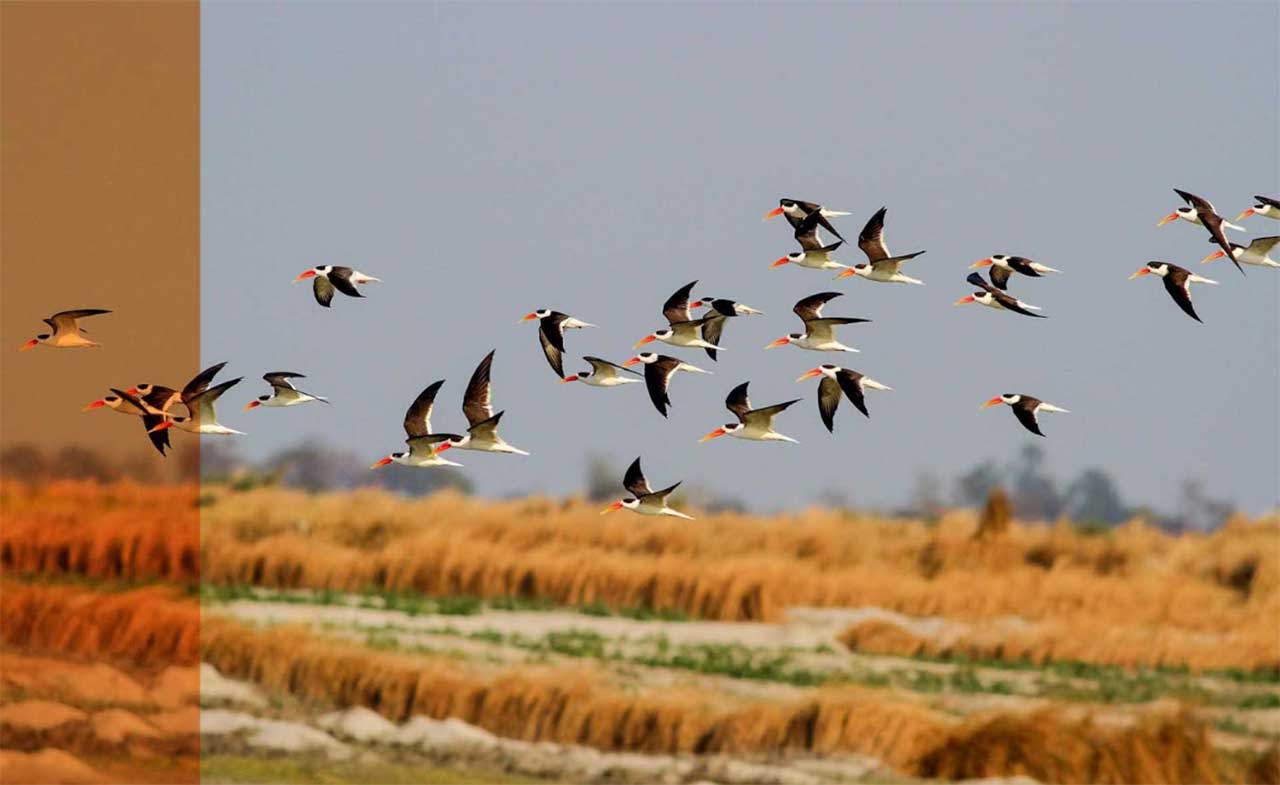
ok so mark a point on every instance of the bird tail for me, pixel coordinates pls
(1200, 279)
(873, 384)
(1048, 407)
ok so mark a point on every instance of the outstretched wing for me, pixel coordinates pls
(201, 406)
(1200, 204)
(871, 240)
(200, 382)
(605, 368)
(850, 384)
(737, 401)
(1025, 411)
(551, 336)
(322, 289)
(476, 403)
(977, 280)
(765, 414)
(65, 321)
(1175, 283)
(1000, 276)
(634, 480)
(676, 308)
(811, 306)
(417, 418)
(712, 328)
(486, 428)
(828, 402)
(281, 379)
(657, 375)
(340, 277)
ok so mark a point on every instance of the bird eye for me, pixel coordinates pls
(788, 203)
(264, 397)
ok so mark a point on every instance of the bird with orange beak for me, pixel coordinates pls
(1004, 266)
(1257, 253)
(1201, 212)
(328, 277)
(1025, 408)
(283, 393)
(125, 402)
(1266, 207)
(1177, 282)
(819, 332)
(67, 333)
(837, 380)
(753, 424)
(551, 327)
(643, 499)
(422, 442)
(797, 210)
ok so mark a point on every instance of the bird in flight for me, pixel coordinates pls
(752, 424)
(283, 393)
(67, 333)
(643, 499)
(327, 277)
(1025, 408)
(551, 327)
(1177, 282)
(835, 381)
(819, 332)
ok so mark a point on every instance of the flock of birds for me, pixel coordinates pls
(157, 405)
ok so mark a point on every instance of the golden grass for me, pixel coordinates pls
(148, 628)
(580, 706)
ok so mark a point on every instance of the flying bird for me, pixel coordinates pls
(643, 499)
(797, 210)
(1266, 206)
(1003, 266)
(819, 332)
(482, 431)
(1177, 282)
(1257, 253)
(813, 253)
(1200, 211)
(837, 380)
(283, 393)
(719, 309)
(202, 416)
(682, 329)
(328, 277)
(994, 298)
(417, 427)
(1025, 408)
(67, 333)
(752, 424)
(603, 374)
(881, 265)
(125, 403)
(551, 327)
(658, 370)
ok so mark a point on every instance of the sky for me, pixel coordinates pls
(486, 160)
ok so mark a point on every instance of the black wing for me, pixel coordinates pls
(160, 397)
(66, 320)
(1000, 276)
(322, 289)
(1011, 304)
(201, 382)
(1175, 283)
(159, 439)
(1020, 263)
(340, 277)
(665, 492)
(417, 418)
(551, 336)
(737, 401)
(807, 232)
(281, 378)
(657, 375)
(1201, 205)
(634, 480)
(712, 328)
(977, 280)
(476, 403)
(811, 306)
(851, 384)
(1025, 411)
(599, 364)
(1267, 200)
(1213, 222)
(871, 240)
(676, 308)
(486, 426)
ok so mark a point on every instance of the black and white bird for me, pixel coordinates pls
(477, 405)
(881, 266)
(202, 415)
(163, 398)
(283, 393)
(417, 427)
(1025, 408)
(125, 402)
(1199, 211)
(658, 370)
(1177, 282)
(1257, 253)
(837, 381)
(753, 424)
(814, 253)
(682, 329)
(994, 298)
(643, 499)
(603, 373)
(819, 332)
(67, 333)
(328, 277)
(718, 310)
(551, 327)
(1265, 206)
(1003, 266)
(796, 210)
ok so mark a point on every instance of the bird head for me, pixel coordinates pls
(111, 401)
(642, 357)
(313, 272)
(723, 430)
(1009, 398)
(1185, 213)
(826, 369)
(656, 335)
(541, 313)
(395, 456)
(451, 442)
(857, 269)
(261, 399)
(31, 344)
(629, 503)
(784, 340)
(1152, 268)
(795, 257)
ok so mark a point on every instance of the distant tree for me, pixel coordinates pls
(926, 497)
(974, 486)
(217, 459)
(81, 463)
(1198, 510)
(604, 480)
(23, 462)
(1093, 498)
(1035, 495)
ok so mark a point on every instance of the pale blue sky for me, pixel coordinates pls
(489, 159)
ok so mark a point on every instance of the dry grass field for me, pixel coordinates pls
(821, 646)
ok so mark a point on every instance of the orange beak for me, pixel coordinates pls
(164, 426)
(717, 433)
(698, 304)
(993, 402)
(810, 374)
(529, 317)
(305, 276)
(1170, 217)
(1140, 273)
(252, 405)
(567, 379)
(443, 446)
(964, 300)
(132, 390)
(846, 273)
(647, 339)
(381, 463)
(1245, 214)
(774, 213)
(31, 344)
(983, 263)
(780, 262)
(98, 404)
(611, 508)
(779, 342)
(1214, 255)
(631, 362)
